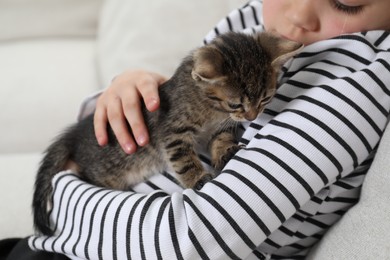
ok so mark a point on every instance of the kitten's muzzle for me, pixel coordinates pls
(243, 117)
(251, 115)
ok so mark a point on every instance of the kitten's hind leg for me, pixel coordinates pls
(72, 166)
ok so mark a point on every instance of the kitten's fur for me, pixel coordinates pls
(232, 78)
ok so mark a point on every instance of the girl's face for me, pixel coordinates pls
(309, 21)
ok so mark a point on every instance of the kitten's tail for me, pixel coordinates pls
(54, 161)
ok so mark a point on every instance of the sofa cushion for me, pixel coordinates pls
(43, 18)
(42, 85)
(154, 35)
(17, 174)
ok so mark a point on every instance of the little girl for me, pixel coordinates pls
(302, 167)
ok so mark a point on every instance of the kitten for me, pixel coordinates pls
(231, 79)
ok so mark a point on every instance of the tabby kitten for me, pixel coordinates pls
(231, 79)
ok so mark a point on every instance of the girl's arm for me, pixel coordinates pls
(325, 121)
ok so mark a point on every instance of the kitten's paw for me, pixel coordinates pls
(202, 181)
(224, 158)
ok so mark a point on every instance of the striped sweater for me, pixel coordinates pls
(303, 166)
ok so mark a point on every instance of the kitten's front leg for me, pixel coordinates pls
(223, 146)
(186, 163)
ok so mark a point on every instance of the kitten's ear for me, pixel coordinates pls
(281, 49)
(208, 65)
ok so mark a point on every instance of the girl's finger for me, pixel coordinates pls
(118, 124)
(100, 125)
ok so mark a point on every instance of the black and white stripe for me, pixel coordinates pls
(303, 166)
(247, 19)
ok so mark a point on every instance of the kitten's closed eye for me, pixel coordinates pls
(215, 98)
(234, 106)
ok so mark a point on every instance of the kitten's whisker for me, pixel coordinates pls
(227, 124)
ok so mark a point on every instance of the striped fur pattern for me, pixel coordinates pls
(231, 79)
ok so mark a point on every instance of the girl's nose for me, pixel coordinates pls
(303, 14)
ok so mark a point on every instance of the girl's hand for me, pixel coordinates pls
(121, 102)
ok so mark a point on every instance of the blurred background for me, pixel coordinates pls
(47, 67)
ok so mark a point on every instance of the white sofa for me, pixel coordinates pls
(47, 66)
(53, 53)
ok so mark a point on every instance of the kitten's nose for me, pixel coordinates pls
(250, 115)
